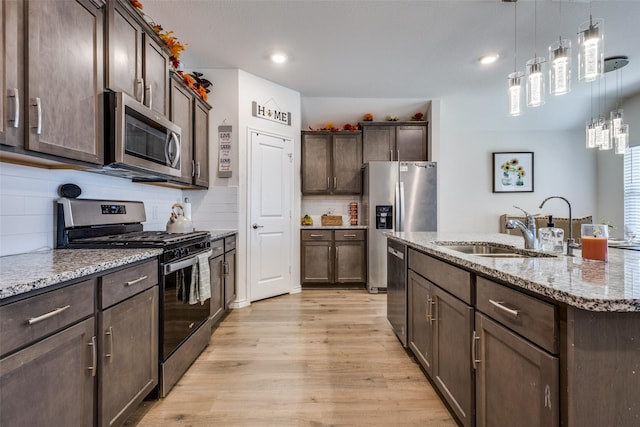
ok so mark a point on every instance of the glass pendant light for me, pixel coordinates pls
(622, 140)
(560, 67)
(591, 134)
(515, 78)
(515, 93)
(616, 122)
(535, 72)
(605, 136)
(535, 82)
(590, 50)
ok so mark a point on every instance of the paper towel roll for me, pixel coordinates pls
(187, 208)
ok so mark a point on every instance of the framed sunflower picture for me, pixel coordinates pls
(513, 172)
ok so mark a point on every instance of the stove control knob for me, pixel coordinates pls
(187, 251)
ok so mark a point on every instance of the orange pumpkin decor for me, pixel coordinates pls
(367, 117)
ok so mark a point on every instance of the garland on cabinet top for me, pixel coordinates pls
(368, 117)
(194, 80)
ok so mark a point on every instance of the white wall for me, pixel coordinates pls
(252, 88)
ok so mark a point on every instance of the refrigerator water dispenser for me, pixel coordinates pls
(384, 217)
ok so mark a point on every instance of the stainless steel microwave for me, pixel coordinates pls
(139, 143)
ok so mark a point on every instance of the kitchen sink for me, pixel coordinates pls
(489, 250)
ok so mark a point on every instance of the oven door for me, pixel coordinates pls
(182, 312)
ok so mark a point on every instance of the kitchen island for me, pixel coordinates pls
(534, 339)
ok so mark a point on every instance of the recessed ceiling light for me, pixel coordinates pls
(489, 59)
(278, 57)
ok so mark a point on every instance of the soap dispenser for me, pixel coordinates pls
(551, 238)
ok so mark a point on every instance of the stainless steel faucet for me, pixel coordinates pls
(528, 229)
(571, 243)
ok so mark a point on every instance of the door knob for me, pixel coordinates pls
(256, 226)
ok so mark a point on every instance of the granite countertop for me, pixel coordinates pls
(220, 234)
(333, 227)
(585, 284)
(36, 270)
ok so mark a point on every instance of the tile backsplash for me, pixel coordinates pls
(316, 206)
(27, 196)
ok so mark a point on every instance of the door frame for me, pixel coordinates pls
(293, 230)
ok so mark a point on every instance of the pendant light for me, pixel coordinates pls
(535, 72)
(622, 140)
(615, 63)
(590, 49)
(560, 64)
(515, 78)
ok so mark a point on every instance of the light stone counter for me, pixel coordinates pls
(220, 234)
(333, 227)
(590, 285)
(36, 270)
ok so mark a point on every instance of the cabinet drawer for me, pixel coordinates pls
(30, 319)
(308, 235)
(349, 235)
(125, 283)
(454, 280)
(229, 243)
(530, 317)
(217, 248)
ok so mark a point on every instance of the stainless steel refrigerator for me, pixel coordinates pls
(397, 196)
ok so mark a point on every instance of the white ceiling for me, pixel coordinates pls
(426, 49)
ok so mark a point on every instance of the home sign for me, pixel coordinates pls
(272, 114)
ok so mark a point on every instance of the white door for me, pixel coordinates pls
(271, 176)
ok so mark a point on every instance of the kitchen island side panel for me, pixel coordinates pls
(602, 369)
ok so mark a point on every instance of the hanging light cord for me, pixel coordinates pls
(515, 44)
(535, 28)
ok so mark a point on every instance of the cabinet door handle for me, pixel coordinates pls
(432, 303)
(474, 350)
(136, 281)
(328, 185)
(35, 102)
(226, 268)
(500, 305)
(15, 96)
(335, 182)
(391, 155)
(316, 235)
(348, 235)
(109, 333)
(94, 356)
(198, 169)
(45, 316)
(193, 168)
(427, 311)
(148, 91)
(140, 90)
(398, 155)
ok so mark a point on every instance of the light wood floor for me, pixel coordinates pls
(318, 358)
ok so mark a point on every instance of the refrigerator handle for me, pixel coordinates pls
(401, 216)
(396, 208)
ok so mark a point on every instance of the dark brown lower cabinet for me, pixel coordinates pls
(216, 268)
(128, 344)
(452, 369)
(421, 316)
(516, 381)
(333, 257)
(51, 382)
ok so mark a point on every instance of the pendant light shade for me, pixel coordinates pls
(622, 140)
(591, 134)
(535, 82)
(560, 67)
(616, 122)
(515, 93)
(605, 136)
(591, 50)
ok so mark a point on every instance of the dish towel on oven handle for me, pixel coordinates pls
(200, 279)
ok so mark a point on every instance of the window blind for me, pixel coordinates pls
(632, 188)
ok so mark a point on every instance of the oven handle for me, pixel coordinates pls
(189, 262)
(170, 268)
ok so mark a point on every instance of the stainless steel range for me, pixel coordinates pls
(184, 321)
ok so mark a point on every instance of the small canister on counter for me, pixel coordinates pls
(353, 213)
